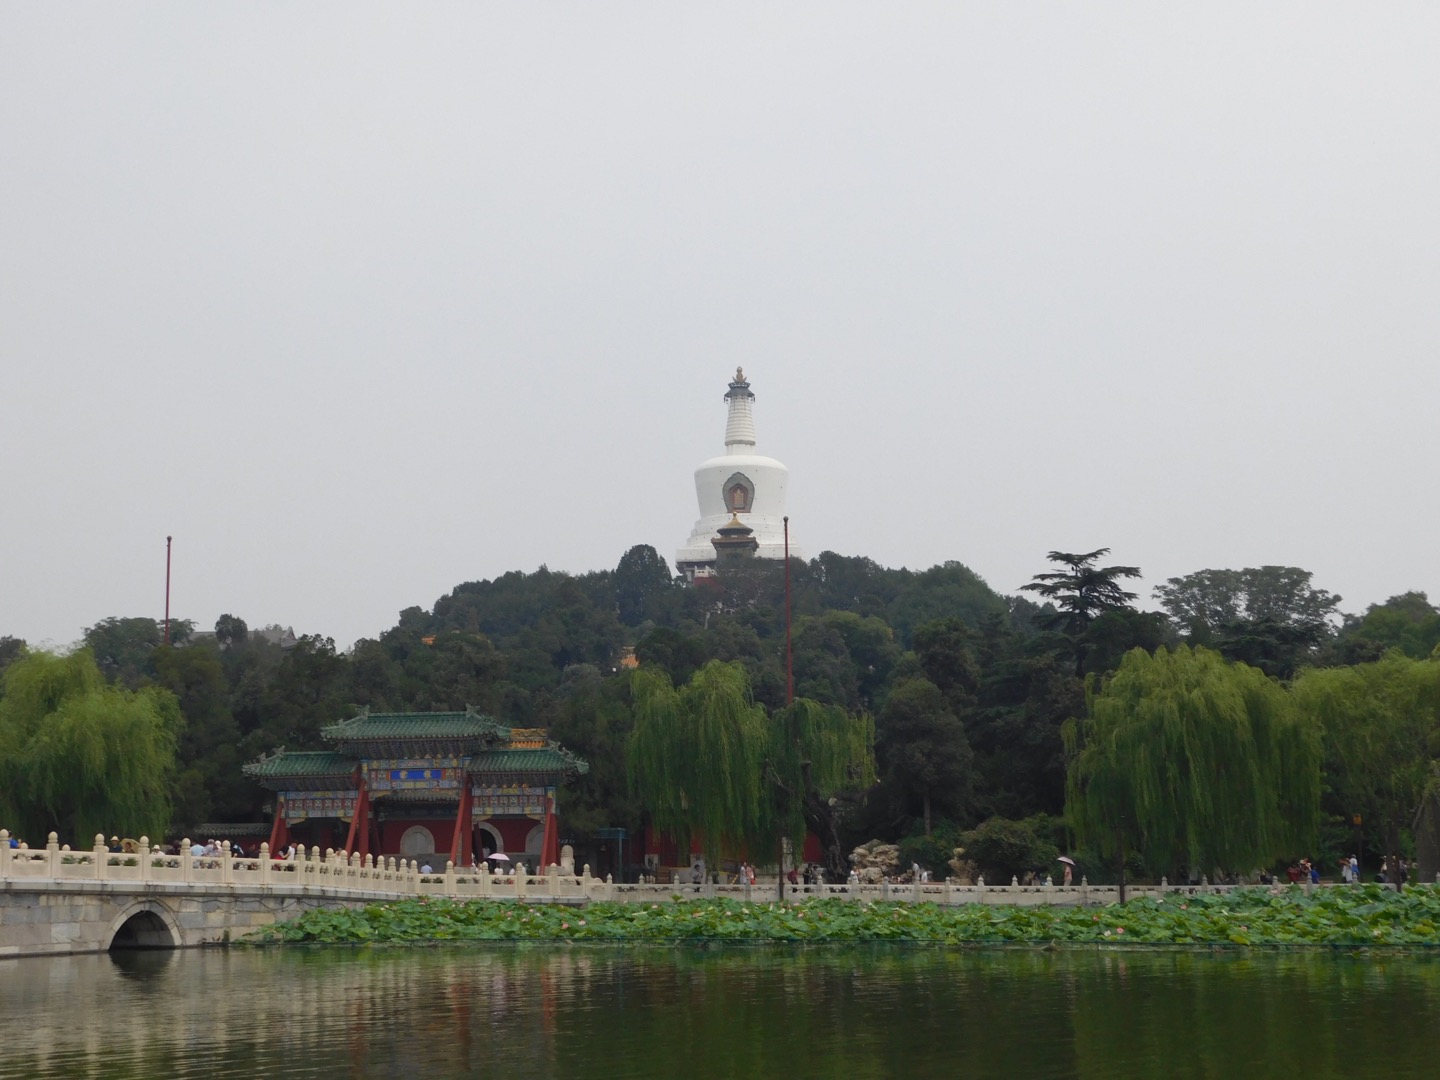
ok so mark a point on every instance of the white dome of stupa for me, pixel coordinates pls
(741, 484)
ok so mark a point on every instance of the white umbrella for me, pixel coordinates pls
(498, 855)
(1066, 859)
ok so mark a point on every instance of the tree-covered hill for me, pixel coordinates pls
(968, 689)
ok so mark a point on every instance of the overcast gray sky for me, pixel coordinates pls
(360, 302)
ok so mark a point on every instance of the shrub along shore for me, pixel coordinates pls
(1364, 915)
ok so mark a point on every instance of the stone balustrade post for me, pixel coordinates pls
(554, 880)
(52, 854)
(144, 858)
(265, 866)
(100, 853)
(609, 886)
(5, 856)
(450, 878)
(187, 861)
(227, 864)
(520, 889)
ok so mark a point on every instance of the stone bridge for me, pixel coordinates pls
(55, 900)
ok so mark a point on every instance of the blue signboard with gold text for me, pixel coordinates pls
(424, 774)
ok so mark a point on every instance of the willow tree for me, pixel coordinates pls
(710, 765)
(821, 759)
(1197, 763)
(1380, 723)
(697, 755)
(78, 756)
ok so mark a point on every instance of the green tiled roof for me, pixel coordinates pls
(549, 760)
(427, 725)
(297, 763)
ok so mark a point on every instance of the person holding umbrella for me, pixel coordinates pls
(1069, 864)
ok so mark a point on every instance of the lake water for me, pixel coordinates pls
(675, 1013)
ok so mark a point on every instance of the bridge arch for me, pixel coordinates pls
(147, 924)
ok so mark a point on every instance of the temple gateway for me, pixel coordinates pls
(454, 785)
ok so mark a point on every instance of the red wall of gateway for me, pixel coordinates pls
(513, 832)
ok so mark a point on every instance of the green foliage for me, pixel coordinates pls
(124, 649)
(1366, 916)
(1082, 590)
(1209, 599)
(696, 757)
(1408, 622)
(1269, 617)
(11, 649)
(708, 763)
(230, 630)
(80, 757)
(951, 590)
(946, 651)
(1003, 849)
(816, 752)
(210, 786)
(593, 720)
(543, 649)
(923, 750)
(674, 653)
(932, 852)
(1380, 723)
(1197, 762)
(643, 583)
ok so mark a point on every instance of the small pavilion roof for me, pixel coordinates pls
(550, 759)
(295, 764)
(373, 727)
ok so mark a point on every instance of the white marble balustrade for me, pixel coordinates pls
(351, 876)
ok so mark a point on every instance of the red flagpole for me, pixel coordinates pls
(789, 653)
(167, 590)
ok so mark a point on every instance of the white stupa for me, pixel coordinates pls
(738, 484)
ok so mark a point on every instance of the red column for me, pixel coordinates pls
(360, 821)
(279, 831)
(460, 842)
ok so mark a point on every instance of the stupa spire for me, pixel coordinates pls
(740, 424)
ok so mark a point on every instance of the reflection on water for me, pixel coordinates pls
(581, 1012)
